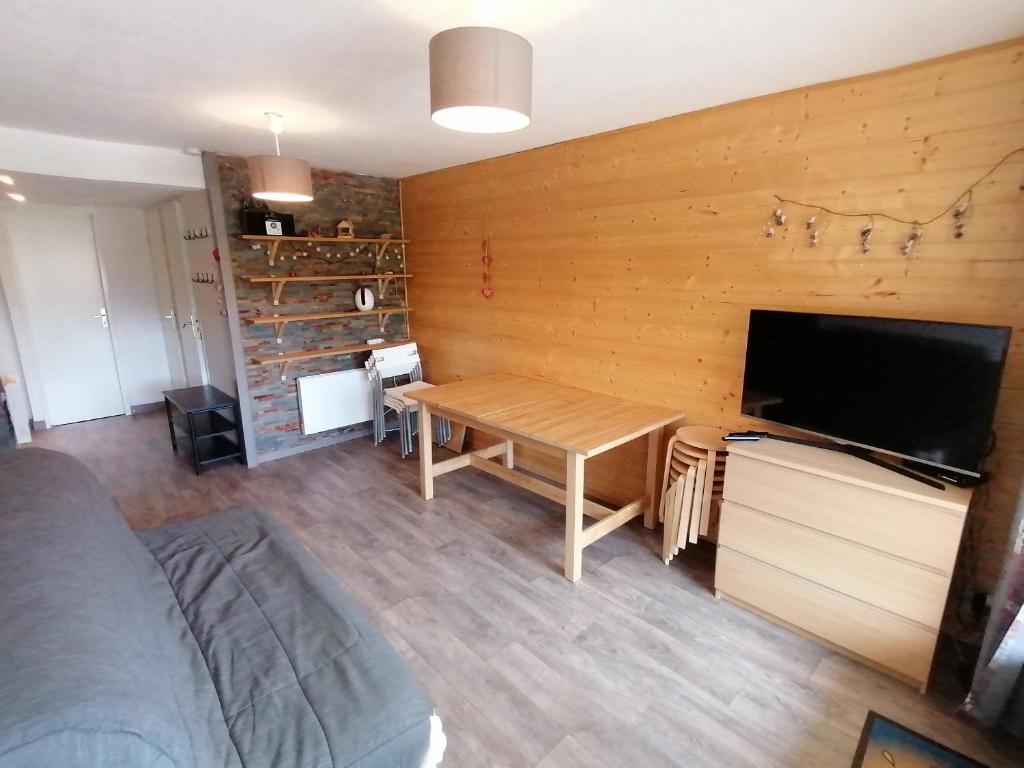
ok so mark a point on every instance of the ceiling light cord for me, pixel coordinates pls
(276, 127)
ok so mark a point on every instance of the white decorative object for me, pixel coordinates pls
(364, 299)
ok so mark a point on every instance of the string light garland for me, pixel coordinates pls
(960, 208)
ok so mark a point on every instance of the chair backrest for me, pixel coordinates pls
(391, 362)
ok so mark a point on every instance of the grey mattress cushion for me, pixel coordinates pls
(92, 668)
(303, 676)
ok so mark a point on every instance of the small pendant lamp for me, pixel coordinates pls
(481, 80)
(277, 178)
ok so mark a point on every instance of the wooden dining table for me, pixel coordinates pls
(555, 419)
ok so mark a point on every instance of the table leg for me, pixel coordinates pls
(238, 433)
(195, 445)
(170, 425)
(508, 459)
(573, 516)
(652, 488)
(426, 454)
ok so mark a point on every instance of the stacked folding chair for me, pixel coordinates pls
(691, 492)
(386, 368)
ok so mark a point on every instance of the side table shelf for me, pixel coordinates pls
(196, 416)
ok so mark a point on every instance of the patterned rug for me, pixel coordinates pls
(887, 744)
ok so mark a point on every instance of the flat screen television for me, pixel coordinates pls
(919, 390)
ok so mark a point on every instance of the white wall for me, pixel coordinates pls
(132, 304)
(209, 299)
(211, 360)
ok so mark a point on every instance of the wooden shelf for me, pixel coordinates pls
(275, 242)
(284, 359)
(321, 278)
(295, 239)
(277, 284)
(279, 321)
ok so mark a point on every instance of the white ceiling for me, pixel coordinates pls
(61, 190)
(351, 76)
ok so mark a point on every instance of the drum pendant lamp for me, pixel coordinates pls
(277, 178)
(481, 80)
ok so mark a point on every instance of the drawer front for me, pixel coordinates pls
(864, 630)
(866, 574)
(903, 527)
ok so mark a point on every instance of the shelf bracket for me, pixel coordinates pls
(277, 287)
(279, 330)
(284, 370)
(272, 251)
(382, 287)
(384, 319)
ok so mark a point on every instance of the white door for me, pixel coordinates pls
(186, 314)
(168, 314)
(61, 291)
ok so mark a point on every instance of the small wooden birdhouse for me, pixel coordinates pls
(345, 229)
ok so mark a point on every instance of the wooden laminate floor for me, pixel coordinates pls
(636, 665)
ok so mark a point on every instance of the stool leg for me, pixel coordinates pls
(664, 482)
(170, 425)
(685, 508)
(709, 485)
(669, 532)
(698, 499)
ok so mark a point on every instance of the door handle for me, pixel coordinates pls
(103, 316)
(195, 326)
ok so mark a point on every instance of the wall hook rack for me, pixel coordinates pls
(196, 234)
(204, 278)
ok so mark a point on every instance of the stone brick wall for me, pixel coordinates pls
(373, 205)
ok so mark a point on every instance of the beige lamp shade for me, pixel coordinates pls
(481, 80)
(282, 179)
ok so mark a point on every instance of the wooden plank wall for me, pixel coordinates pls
(627, 262)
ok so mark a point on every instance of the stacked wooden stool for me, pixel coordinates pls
(691, 492)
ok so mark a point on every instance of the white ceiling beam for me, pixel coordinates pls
(23, 151)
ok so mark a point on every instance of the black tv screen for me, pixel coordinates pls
(916, 389)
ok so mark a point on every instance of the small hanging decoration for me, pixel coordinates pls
(364, 299)
(960, 216)
(912, 239)
(865, 236)
(776, 218)
(488, 290)
(960, 209)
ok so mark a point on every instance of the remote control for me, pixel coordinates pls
(740, 436)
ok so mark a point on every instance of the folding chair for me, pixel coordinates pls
(386, 368)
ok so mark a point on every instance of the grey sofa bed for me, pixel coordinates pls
(216, 642)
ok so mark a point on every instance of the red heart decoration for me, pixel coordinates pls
(487, 292)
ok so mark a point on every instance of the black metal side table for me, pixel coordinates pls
(197, 413)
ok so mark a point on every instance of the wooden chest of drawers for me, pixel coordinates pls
(849, 553)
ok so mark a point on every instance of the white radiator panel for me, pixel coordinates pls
(332, 400)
